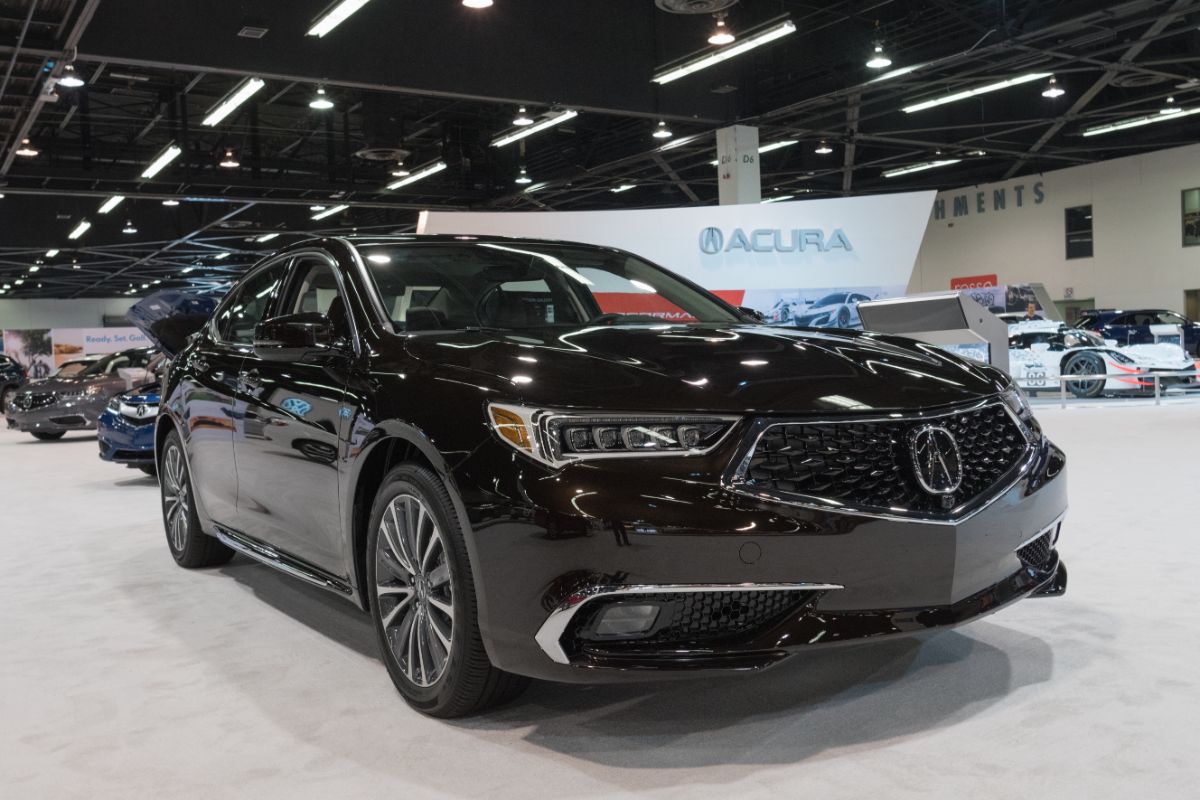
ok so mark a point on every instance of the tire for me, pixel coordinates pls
(149, 469)
(843, 318)
(190, 546)
(1084, 364)
(48, 436)
(425, 607)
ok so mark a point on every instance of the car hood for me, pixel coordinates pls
(741, 368)
(169, 317)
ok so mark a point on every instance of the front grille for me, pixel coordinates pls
(32, 400)
(1037, 553)
(868, 466)
(700, 617)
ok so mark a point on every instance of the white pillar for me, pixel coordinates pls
(737, 165)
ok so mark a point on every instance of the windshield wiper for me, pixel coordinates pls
(610, 318)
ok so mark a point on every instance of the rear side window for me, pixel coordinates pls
(249, 305)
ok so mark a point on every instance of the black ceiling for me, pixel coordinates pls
(440, 81)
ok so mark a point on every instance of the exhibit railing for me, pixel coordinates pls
(1157, 377)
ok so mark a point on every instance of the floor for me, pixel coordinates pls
(122, 675)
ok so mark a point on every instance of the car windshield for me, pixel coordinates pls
(516, 285)
(106, 365)
(830, 300)
(71, 369)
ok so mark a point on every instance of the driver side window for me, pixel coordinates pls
(249, 306)
(314, 290)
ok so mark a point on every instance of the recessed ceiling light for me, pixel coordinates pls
(748, 43)
(978, 90)
(335, 15)
(27, 149)
(721, 35)
(244, 91)
(321, 102)
(70, 78)
(661, 131)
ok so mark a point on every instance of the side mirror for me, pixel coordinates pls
(752, 313)
(292, 335)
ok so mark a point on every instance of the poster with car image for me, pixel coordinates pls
(835, 307)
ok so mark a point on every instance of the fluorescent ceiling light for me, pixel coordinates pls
(709, 59)
(329, 212)
(779, 199)
(978, 90)
(266, 237)
(420, 174)
(111, 203)
(894, 173)
(896, 73)
(51, 253)
(680, 142)
(241, 94)
(1137, 122)
(537, 127)
(335, 15)
(766, 148)
(220, 256)
(624, 187)
(80, 229)
(165, 157)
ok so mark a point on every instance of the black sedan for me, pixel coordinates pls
(505, 452)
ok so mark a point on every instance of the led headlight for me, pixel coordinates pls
(1018, 404)
(114, 405)
(558, 438)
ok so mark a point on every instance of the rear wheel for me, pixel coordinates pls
(48, 436)
(190, 546)
(422, 600)
(1084, 364)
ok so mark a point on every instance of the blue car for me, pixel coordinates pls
(1133, 326)
(126, 428)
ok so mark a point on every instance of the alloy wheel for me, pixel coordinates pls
(415, 590)
(176, 496)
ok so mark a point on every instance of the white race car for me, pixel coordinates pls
(1040, 351)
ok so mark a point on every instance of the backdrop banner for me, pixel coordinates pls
(800, 263)
(42, 350)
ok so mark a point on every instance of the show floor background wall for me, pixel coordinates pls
(84, 313)
(1139, 259)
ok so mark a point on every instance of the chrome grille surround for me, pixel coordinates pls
(738, 477)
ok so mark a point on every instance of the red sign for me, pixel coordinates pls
(974, 282)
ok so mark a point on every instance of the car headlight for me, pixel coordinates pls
(92, 391)
(558, 438)
(1018, 404)
(114, 405)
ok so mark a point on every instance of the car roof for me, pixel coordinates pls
(361, 239)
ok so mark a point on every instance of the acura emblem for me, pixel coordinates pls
(141, 411)
(936, 459)
(711, 240)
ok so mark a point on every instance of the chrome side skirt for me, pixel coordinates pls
(549, 636)
(290, 565)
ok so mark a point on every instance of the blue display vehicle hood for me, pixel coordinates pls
(169, 317)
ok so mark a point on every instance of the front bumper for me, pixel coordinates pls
(558, 542)
(74, 414)
(124, 442)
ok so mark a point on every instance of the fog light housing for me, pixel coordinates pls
(626, 620)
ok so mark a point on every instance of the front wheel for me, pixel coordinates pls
(190, 546)
(1082, 364)
(422, 600)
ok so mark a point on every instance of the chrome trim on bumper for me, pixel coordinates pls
(550, 634)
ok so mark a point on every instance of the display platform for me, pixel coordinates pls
(140, 679)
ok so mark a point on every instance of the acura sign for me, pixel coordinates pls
(773, 240)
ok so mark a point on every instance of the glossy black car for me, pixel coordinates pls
(477, 441)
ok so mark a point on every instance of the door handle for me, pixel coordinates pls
(250, 378)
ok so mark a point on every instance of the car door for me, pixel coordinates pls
(295, 410)
(209, 387)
